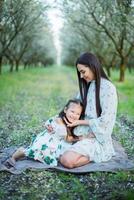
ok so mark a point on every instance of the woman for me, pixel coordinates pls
(99, 98)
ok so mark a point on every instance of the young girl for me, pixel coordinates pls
(48, 146)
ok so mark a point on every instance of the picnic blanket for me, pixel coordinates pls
(119, 162)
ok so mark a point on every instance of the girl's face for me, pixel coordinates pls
(73, 112)
(85, 73)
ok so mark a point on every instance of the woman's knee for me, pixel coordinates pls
(66, 161)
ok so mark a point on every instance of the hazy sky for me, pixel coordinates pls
(57, 22)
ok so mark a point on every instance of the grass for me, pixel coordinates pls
(31, 96)
(125, 93)
(10, 84)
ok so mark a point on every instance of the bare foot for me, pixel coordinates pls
(10, 162)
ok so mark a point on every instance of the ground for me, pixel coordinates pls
(30, 97)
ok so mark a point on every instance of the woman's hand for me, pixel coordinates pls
(90, 135)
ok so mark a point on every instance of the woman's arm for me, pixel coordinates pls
(102, 126)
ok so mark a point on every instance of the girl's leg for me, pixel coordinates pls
(71, 159)
(19, 153)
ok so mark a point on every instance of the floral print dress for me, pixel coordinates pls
(47, 147)
(99, 148)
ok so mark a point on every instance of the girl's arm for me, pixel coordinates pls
(70, 138)
(48, 125)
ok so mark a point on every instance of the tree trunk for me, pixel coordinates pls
(17, 66)
(0, 65)
(122, 70)
(11, 66)
(25, 65)
(130, 69)
(108, 71)
(113, 61)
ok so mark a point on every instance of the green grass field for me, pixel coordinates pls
(126, 93)
(31, 96)
(46, 78)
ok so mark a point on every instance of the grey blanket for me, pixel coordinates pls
(118, 162)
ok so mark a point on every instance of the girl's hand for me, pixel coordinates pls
(49, 128)
(77, 122)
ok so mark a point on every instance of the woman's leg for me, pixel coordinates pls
(71, 159)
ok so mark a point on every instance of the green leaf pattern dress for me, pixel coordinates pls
(47, 147)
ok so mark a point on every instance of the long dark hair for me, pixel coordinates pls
(90, 60)
(62, 115)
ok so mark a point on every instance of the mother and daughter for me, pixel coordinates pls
(81, 133)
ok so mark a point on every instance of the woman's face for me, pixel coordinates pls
(85, 73)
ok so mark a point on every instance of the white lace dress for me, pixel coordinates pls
(47, 147)
(100, 148)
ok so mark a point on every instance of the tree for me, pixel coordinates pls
(120, 12)
(19, 18)
(111, 19)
